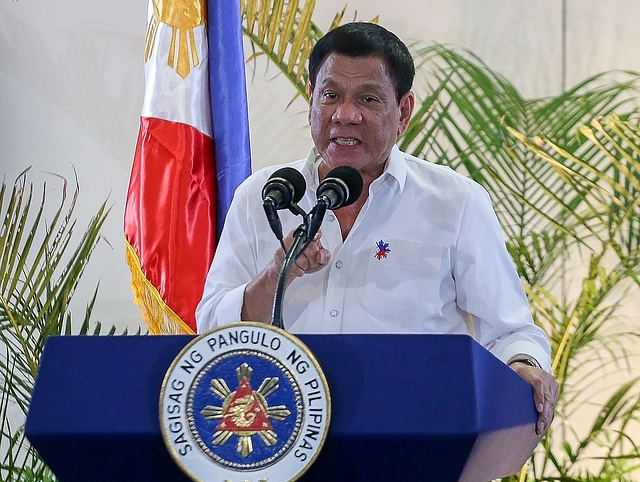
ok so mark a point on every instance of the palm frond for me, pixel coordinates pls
(282, 30)
(40, 271)
(464, 126)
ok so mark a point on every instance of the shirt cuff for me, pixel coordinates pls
(227, 310)
(527, 348)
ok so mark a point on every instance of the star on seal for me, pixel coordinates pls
(245, 412)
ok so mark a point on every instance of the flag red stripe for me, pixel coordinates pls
(170, 213)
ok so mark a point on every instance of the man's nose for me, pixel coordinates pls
(347, 113)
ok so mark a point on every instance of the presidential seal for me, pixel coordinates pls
(244, 402)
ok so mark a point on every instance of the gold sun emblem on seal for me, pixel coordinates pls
(245, 412)
(183, 16)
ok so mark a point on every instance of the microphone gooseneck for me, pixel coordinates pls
(341, 187)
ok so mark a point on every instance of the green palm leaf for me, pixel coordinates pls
(283, 31)
(602, 166)
(39, 273)
(463, 126)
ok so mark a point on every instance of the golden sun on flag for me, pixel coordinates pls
(183, 16)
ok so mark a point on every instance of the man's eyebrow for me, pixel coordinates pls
(328, 82)
(366, 87)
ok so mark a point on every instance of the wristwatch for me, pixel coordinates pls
(527, 359)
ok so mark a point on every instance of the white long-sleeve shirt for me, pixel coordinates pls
(425, 250)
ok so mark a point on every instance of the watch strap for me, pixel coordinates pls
(527, 359)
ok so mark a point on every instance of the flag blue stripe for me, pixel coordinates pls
(228, 101)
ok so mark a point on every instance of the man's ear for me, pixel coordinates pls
(406, 109)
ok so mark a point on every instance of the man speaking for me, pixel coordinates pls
(419, 251)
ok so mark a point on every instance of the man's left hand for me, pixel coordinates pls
(545, 393)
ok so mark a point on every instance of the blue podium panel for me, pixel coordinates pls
(94, 411)
(434, 406)
(410, 406)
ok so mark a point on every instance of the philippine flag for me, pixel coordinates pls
(191, 154)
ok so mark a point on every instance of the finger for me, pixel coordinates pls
(296, 272)
(310, 255)
(547, 408)
(298, 268)
(544, 420)
(551, 398)
(541, 389)
(542, 424)
(538, 397)
(323, 256)
(302, 262)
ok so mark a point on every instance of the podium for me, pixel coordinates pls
(404, 407)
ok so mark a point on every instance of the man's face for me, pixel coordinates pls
(354, 115)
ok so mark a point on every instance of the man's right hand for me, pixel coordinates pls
(313, 259)
(259, 293)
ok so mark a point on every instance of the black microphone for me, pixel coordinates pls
(284, 188)
(341, 187)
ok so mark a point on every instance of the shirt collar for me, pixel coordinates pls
(311, 168)
(396, 167)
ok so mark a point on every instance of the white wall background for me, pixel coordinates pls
(71, 86)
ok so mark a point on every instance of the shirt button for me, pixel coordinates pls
(332, 218)
(338, 264)
(334, 313)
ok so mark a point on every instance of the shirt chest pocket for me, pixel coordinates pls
(407, 279)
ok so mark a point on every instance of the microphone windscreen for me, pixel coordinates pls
(352, 178)
(295, 178)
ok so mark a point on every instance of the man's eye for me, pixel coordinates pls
(330, 95)
(370, 99)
